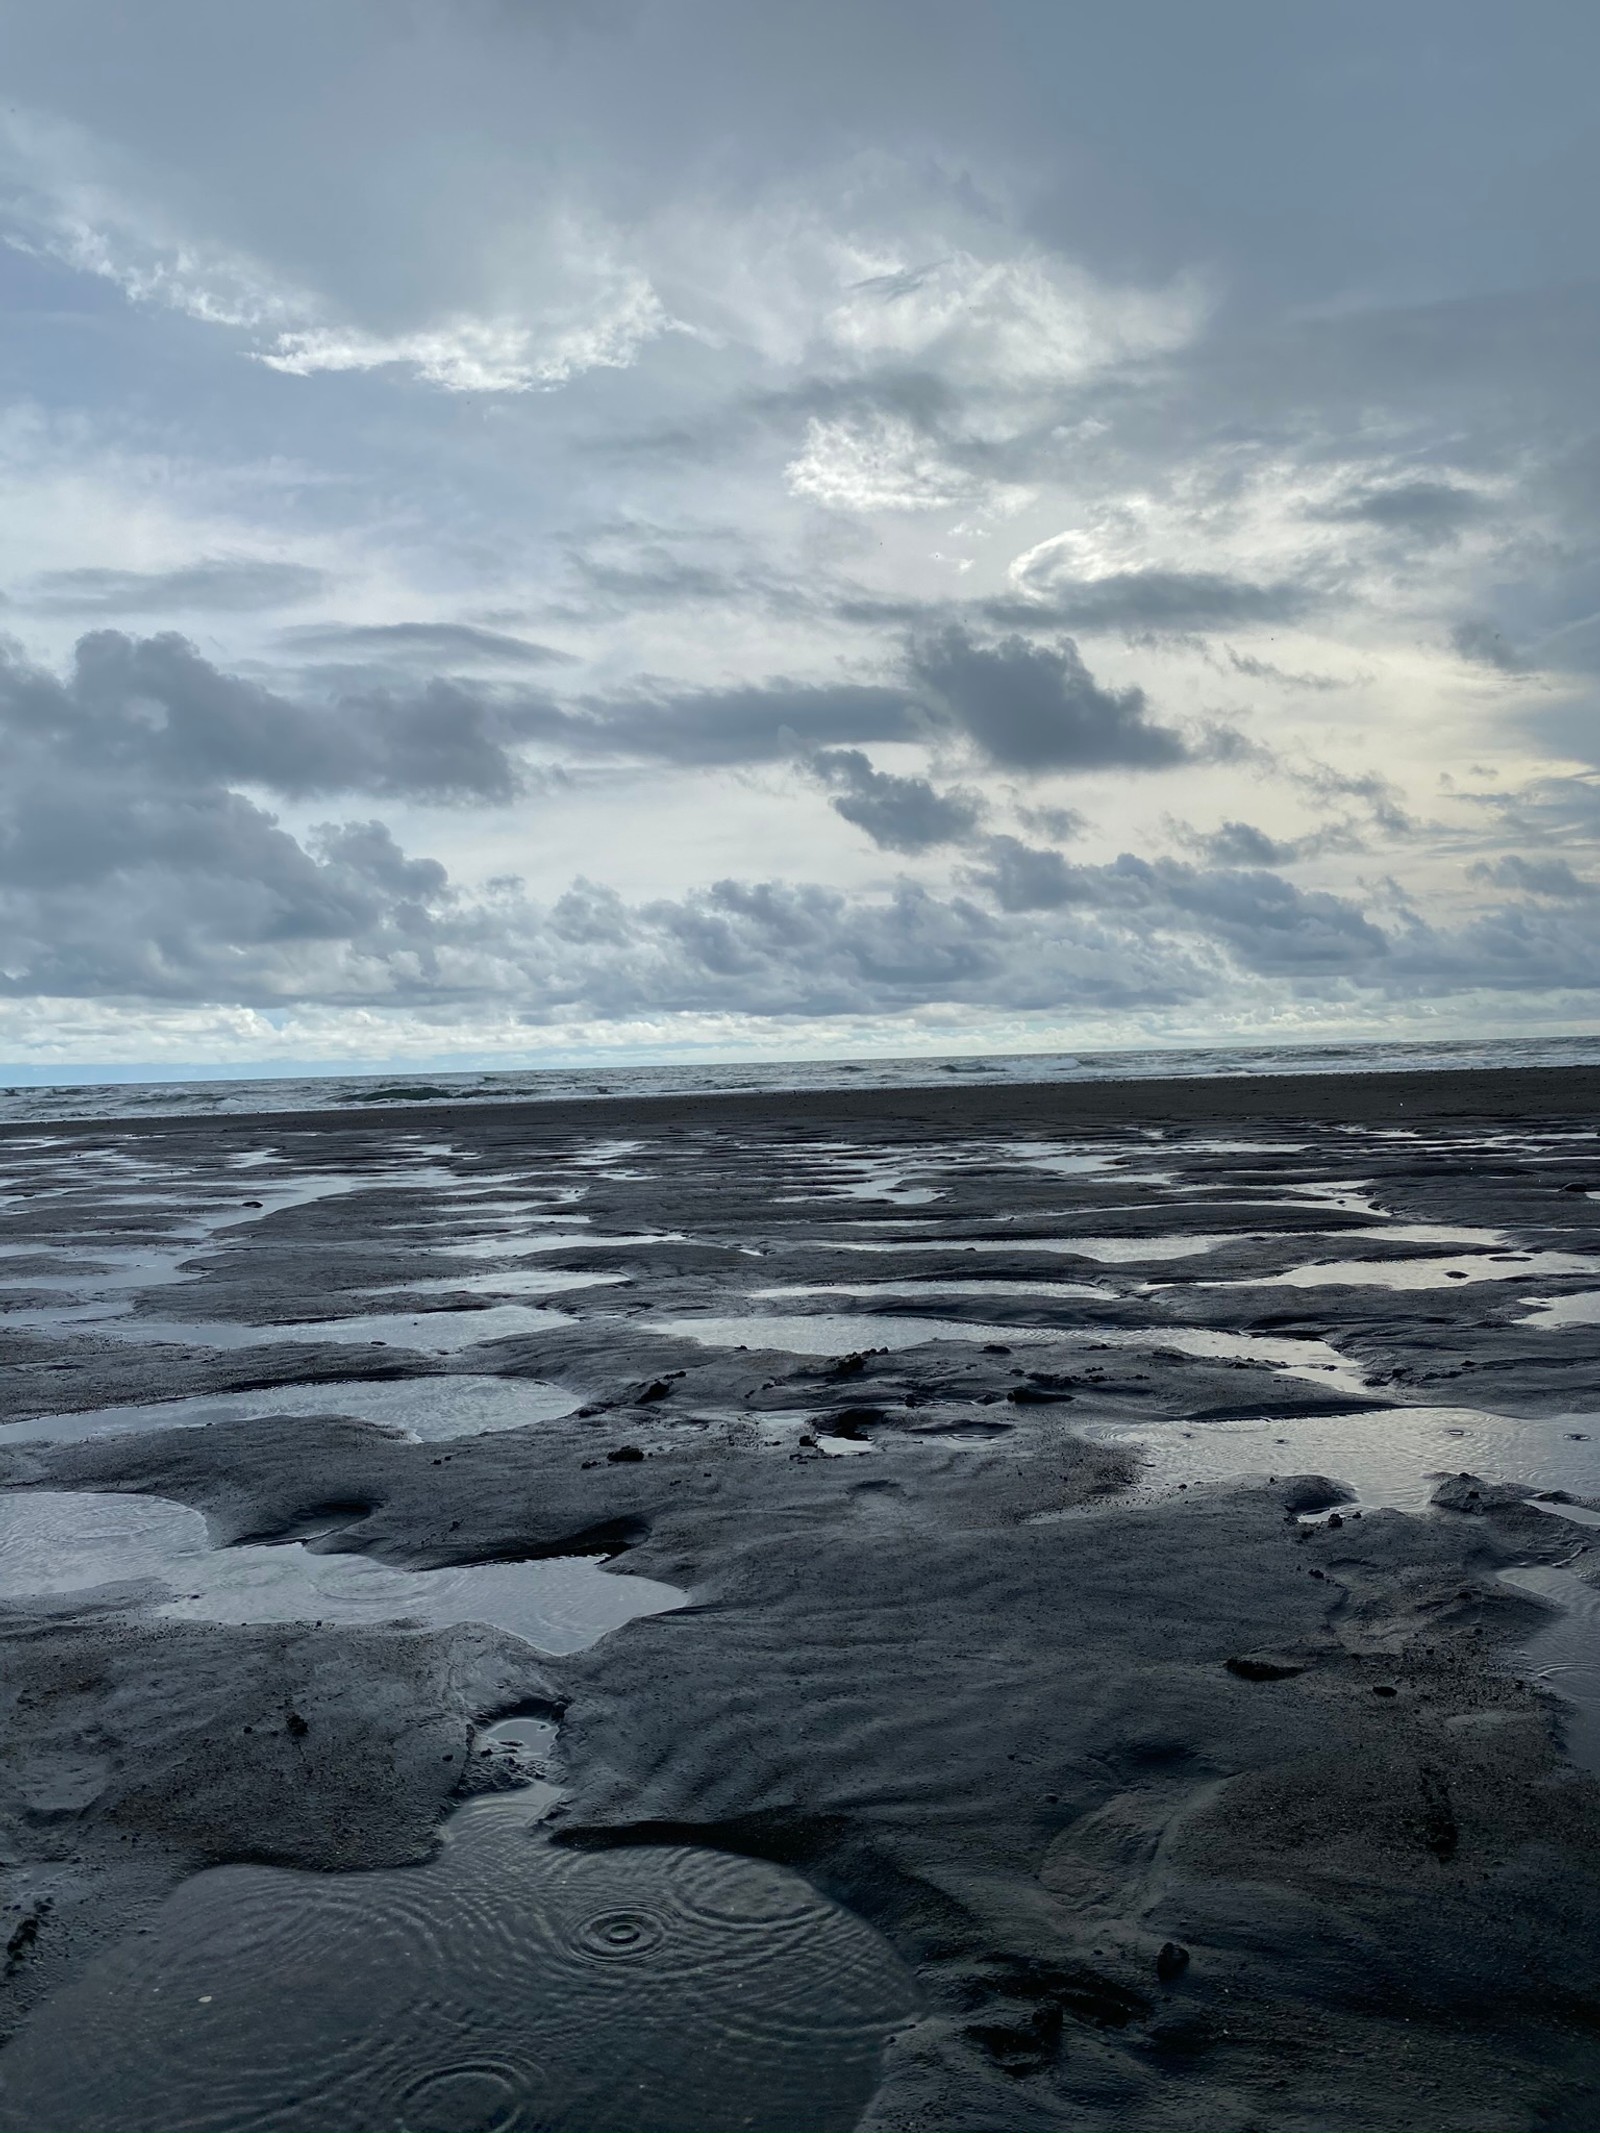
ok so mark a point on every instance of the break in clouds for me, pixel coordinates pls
(683, 521)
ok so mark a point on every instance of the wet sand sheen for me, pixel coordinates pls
(959, 1673)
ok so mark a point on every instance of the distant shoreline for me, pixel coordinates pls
(1068, 1106)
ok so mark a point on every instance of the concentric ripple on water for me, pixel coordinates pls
(508, 1984)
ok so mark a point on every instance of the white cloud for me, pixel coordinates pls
(475, 355)
(882, 463)
(1013, 323)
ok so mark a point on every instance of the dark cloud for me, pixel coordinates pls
(1519, 948)
(1057, 822)
(152, 711)
(1272, 927)
(129, 867)
(1266, 923)
(368, 850)
(1037, 707)
(107, 891)
(1536, 877)
(1428, 510)
(898, 814)
(1028, 877)
(451, 643)
(219, 585)
(1241, 844)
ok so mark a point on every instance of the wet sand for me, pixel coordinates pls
(1099, 1572)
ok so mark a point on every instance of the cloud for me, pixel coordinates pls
(1037, 707)
(1241, 844)
(1369, 789)
(1264, 920)
(1267, 923)
(1429, 510)
(70, 200)
(636, 566)
(898, 814)
(483, 355)
(1263, 670)
(237, 585)
(1052, 587)
(1027, 877)
(111, 891)
(1483, 644)
(1536, 877)
(1008, 323)
(1057, 822)
(132, 867)
(886, 334)
(368, 849)
(767, 722)
(1273, 927)
(451, 643)
(153, 712)
(576, 304)
(881, 462)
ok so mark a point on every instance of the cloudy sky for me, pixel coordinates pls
(544, 529)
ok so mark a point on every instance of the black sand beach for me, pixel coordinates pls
(1057, 1606)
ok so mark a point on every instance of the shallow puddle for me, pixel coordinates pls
(431, 1409)
(1109, 1251)
(1551, 1313)
(507, 1986)
(69, 1541)
(1462, 1234)
(1392, 1457)
(553, 1241)
(1059, 1161)
(834, 1333)
(869, 1289)
(423, 1332)
(1424, 1273)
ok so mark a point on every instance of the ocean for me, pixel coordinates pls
(335, 1092)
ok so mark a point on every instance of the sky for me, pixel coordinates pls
(548, 530)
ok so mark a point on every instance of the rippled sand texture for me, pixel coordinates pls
(506, 1985)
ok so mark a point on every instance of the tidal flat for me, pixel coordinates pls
(954, 1609)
